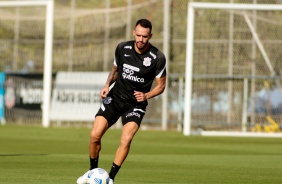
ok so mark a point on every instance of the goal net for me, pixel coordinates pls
(233, 68)
(26, 35)
(85, 37)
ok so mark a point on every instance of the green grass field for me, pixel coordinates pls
(59, 155)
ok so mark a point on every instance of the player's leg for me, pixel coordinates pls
(100, 126)
(131, 120)
(128, 132)
(107, 115)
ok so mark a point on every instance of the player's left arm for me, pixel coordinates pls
(157, 90)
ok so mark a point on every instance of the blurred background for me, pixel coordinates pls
(228, 62)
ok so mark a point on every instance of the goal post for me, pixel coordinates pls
(48, 49)
(259, 52)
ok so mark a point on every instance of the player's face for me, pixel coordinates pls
(142, 36)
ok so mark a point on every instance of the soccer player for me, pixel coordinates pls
(136, 65)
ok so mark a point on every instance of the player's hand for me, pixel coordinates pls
(140, 96)
(104, 92)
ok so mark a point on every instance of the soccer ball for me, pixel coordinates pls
(98, 176)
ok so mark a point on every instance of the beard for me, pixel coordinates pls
(141, 45)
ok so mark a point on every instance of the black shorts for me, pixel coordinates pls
(114, 107)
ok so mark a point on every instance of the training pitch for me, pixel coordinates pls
(59, 155)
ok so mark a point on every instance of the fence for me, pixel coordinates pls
(87, 32)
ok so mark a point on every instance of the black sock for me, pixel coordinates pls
(93, 163)
(114, 171)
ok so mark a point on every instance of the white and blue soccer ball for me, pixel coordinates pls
(98, 176)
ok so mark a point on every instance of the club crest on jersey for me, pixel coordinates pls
(108, 100)
(147, 61)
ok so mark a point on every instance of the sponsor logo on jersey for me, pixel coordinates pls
(147, 61)
(128, 73)
(131, 67)
(132, 114)
(153, 55)
(128, 47)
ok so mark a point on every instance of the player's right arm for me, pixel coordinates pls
(111, 79)
(113, 73)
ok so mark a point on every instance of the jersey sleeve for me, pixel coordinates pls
(161, 65)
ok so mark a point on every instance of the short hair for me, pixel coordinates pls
(144, 23)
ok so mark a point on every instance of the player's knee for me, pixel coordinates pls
(95, 138)
(126, 141)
